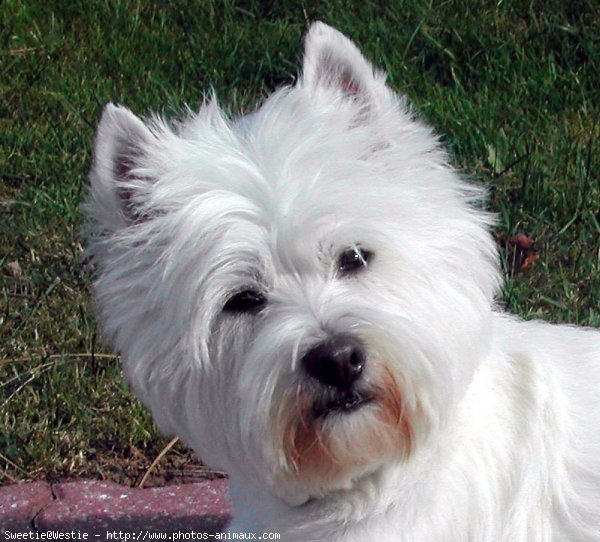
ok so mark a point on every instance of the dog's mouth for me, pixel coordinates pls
(337, 402)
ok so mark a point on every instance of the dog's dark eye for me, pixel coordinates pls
(353, 260)
(245, 301)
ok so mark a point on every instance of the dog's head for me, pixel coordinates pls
(303, 293)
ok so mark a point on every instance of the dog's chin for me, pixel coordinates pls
(337, 402)
(329, 437)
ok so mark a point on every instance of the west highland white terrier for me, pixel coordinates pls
(305, 296)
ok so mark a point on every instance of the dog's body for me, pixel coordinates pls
(305, 297)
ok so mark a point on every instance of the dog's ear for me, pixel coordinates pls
(332, 61)
(117, 178)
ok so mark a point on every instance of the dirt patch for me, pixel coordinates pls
(127, 466)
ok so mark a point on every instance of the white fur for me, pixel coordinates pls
(497, 437)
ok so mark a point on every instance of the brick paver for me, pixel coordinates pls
(100, 508)
(20, 503)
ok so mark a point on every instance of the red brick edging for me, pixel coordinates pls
(98, 508)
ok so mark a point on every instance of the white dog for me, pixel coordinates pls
(305, 295)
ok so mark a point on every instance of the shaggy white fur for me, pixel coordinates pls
(305, 295)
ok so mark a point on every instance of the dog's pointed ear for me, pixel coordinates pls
(122, 142)
(332, 61)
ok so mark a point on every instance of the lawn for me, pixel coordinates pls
(513, 86)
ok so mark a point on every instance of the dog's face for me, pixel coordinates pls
(302, 294)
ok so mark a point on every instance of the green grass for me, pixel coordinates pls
(514, 86)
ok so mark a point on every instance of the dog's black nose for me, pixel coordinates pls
(337, 362)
